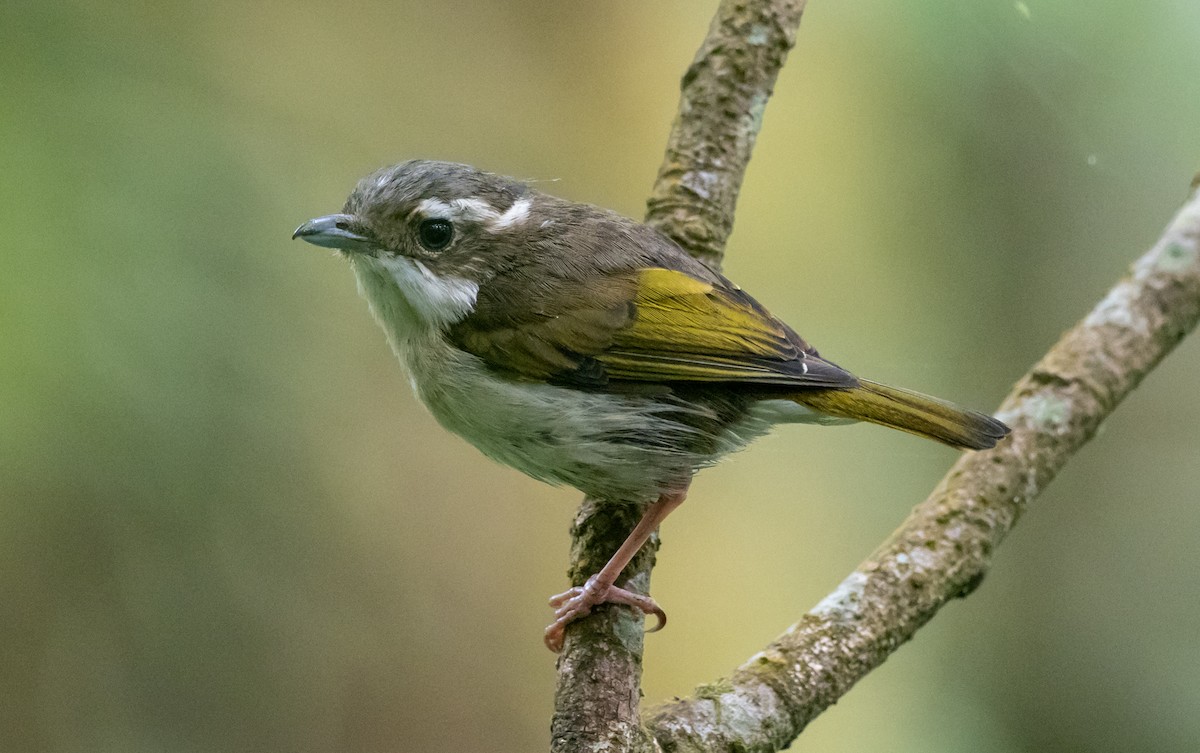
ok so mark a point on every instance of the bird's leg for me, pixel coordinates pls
(577, 602)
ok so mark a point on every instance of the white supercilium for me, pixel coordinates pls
(475, 210)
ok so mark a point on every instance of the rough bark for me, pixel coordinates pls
(943, 549)
(945, 546)
(722, 98)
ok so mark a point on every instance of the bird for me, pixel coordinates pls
(589, 350)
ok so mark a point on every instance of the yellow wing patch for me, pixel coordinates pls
(686, 329)
(679, 313)
(646, 325)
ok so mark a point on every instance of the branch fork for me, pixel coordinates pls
(945, 546)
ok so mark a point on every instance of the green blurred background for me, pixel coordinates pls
(226, 524)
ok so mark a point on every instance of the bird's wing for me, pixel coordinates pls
(645, 325)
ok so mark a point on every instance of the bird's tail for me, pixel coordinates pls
(908, 411)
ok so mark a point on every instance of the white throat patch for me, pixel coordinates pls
(408, 300)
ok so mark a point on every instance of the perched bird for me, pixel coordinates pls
(587, 349)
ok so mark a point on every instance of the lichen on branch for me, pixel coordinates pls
(946, 545)
(723, 95)
(943, 548)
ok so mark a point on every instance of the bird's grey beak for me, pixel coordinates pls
(333, 231)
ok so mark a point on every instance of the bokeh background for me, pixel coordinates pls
(226, 525)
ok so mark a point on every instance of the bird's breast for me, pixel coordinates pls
(608, 445)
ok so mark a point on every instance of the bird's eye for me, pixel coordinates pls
(435, 234)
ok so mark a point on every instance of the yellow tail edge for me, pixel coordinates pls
(908, 411)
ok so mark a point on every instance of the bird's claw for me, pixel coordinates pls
(577, 602)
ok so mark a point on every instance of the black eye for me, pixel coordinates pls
(435, 234)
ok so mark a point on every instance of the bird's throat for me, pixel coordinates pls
(408, 300)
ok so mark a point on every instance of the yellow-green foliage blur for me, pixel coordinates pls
(226, 524)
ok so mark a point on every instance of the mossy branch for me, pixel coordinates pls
(722, 98)
(943, 548)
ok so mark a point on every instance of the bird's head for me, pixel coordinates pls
(431, 233)
(440, 213)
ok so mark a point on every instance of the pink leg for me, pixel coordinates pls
(577, 602)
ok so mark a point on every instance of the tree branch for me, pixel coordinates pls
(722, 98)
(945, 546)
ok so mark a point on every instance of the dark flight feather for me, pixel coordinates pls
(644, 325)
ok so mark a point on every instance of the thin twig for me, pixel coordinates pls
(945, 546)
(720, 112)
(724, 94)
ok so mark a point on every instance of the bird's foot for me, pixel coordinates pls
(577, 602)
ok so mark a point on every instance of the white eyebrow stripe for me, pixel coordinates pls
(516, 214)
(471, 210)
(474, 209)
(435, 208)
